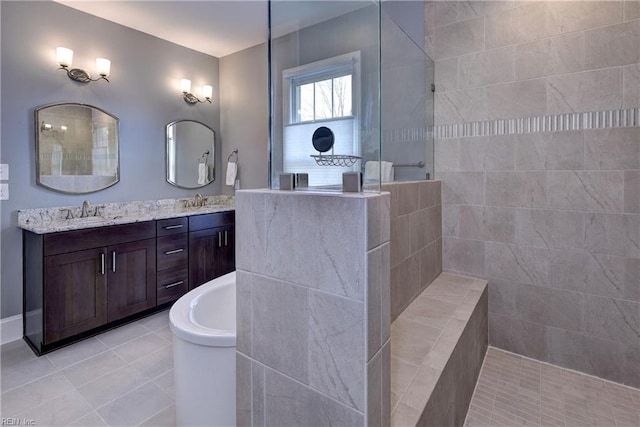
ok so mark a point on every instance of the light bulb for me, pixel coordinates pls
(103, 66)
(185, 85)
(207, 91)
(64, 56)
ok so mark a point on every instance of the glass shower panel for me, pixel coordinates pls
(324, 59)
(407, 103)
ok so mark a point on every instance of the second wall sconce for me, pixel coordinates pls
(185, 87)
(64, 58)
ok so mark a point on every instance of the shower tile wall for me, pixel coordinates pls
(416, 239)
(551, 219)
(313, 308)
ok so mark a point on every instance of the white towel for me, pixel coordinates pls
(371, 171)
(386, 171)
(202, 173)
(232, 170)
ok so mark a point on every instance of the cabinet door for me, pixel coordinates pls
(203, 247)
(131, 278)
(75, 293)
(226, 252)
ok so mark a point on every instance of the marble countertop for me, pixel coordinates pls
(52, 220)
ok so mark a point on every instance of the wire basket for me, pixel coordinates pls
(342, 160)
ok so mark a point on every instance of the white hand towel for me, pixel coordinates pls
(371, 171)
(232, 170)
(386, 171)
(202, 173)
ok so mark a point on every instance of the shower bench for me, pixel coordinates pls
(438, 345)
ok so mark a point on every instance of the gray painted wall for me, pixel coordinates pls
(245, 116)
(143, 93)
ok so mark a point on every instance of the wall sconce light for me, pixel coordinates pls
(48, 127)
(185, 86)
(64, 58)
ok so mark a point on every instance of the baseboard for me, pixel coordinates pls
(10, 329)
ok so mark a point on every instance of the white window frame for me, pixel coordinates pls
(325, 69)
(318, 71)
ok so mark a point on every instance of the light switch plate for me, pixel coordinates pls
(4, 172)
(4, 191)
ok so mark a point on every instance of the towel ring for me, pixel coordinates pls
(204, 157)
(231, 155)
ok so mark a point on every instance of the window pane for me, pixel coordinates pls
(323, 99)
(342, 96)
(305, 103)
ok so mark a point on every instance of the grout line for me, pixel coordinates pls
(157, 413)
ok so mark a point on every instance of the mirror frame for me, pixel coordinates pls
(166, 151)
(37, 112)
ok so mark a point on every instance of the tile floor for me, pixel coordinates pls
(515, 391)
(123, 377)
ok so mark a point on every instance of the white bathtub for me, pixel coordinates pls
(203, 323)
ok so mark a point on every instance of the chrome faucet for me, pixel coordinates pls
(86, 205)
(198, 200)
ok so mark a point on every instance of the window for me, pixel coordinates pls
(324, 99)
(323, 93)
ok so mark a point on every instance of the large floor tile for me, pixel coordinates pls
(136, 406)
(34, 393)
(68, 386)
(140, 347)
(123, 334)
(165, 418)
(59, 411)
(75, 353)
(16, 374)
(111, 386)
(94, 367)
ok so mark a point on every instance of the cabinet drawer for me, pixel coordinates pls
(172, 284)
(172, 251)
(71, 241)
(170, 226)
(219, 219)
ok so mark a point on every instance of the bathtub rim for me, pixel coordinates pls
(185, 329)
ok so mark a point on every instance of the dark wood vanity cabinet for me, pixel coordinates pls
(87, 288)
(131, 278)
(172, 258)
(211, 247)
(86, 279)
(75, 292)
(78, 283)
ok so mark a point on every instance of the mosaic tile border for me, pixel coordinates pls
(629, 117)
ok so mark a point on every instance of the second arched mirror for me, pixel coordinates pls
(190, 154)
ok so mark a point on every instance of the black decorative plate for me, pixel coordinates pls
(322, 139)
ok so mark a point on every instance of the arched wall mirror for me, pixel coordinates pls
(190, 154)
(77, 148)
